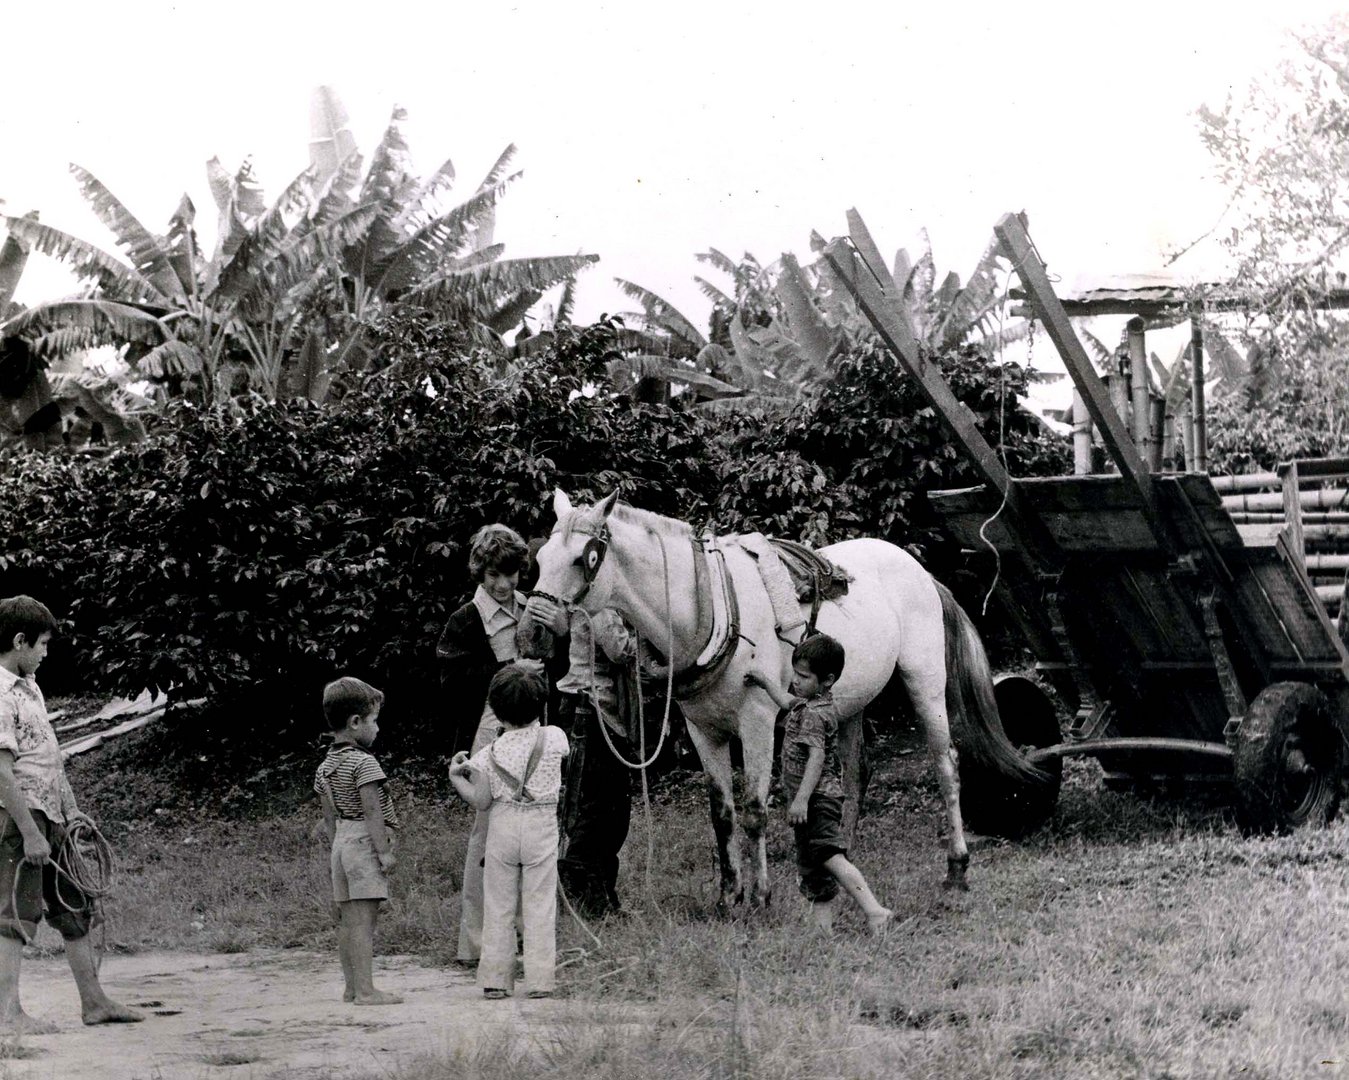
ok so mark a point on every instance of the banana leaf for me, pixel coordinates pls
(330, 139)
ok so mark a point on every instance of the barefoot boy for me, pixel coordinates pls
(359, 815)
(811, 775)
(37, 805)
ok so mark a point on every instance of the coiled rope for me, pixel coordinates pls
(84, 862)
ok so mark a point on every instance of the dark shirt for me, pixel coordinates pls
(812, 723)
(468, 664)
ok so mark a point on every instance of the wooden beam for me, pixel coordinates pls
(1017, 247)
(899, 339)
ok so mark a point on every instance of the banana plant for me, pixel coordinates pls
(280, 306)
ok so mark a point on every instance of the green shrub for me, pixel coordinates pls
(250, 552)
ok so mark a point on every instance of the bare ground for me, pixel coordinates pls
(256, 1015)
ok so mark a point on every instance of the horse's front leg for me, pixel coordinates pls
(756, 742)
(716, 759)
(930, 705)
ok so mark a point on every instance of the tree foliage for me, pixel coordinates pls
(281, 306)
(1282, 151)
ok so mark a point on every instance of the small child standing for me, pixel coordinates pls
(811, 775)
(517, 778)
(359, 814)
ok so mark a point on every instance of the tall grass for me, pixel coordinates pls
(1131, 937)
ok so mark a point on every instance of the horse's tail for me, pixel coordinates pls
(971, 708)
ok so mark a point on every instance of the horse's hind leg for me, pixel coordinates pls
(852, 760)
(756, 741)
(716, 759)
(929, 702)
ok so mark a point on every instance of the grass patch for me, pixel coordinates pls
(1131, 937)
(231, 1057)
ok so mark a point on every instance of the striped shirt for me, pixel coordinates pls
(343, 773)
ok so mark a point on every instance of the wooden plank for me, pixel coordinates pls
(1209, 515)
(870, 254)
(1292, 512)
(1297, 614)
(1017, 246)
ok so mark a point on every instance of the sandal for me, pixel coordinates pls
(494, 994)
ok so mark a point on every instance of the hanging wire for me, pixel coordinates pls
(1002, 443)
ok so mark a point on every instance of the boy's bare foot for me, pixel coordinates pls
(881, 921)
(112, 1012)
(379, 997)
(23, 1024)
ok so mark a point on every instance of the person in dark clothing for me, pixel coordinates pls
(479, 638)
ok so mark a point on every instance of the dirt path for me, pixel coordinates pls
(255, 1015)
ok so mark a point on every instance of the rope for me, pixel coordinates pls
(85, 859)
(1002, 447)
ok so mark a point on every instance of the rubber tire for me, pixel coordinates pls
(1267, 800)
(992, 804)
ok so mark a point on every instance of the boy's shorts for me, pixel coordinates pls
(357, 874)
(42, 892)
(817, 841)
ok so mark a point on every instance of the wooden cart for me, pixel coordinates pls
(1181, 647)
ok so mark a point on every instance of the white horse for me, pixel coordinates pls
(895, 618)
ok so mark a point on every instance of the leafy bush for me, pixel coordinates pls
(250, 552)
(857, 462)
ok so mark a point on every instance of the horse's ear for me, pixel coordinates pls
(607, 507)
(561, 504)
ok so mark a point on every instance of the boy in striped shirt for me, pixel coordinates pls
(360, 818)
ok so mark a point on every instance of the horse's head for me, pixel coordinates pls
(571, 563)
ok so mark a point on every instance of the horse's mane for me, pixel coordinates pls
(671, 528)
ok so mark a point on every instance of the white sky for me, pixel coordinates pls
(649, 132)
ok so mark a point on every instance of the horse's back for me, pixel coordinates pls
(890, 617)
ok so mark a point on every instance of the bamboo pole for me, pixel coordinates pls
(1200, 425)
(1308, 499)
(1156, 430)
(1138, 374)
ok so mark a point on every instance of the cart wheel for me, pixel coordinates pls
(1288, 760)
(991, 803)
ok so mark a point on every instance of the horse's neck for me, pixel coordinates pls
(648, 574)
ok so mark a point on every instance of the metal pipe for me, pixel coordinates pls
(1096, 747)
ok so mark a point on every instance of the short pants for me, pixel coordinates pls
(817, 841)
(42, 892)
(357, 874)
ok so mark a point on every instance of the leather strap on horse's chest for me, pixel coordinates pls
(718, 621)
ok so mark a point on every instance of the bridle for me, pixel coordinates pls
(589, 561)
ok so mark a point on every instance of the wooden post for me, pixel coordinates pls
(1157, 432)
(1292, 511)
(1017, 247)
(1081, 436)
(1138, 370)
(1197, 392)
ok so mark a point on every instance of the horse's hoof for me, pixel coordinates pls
(956, 865)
